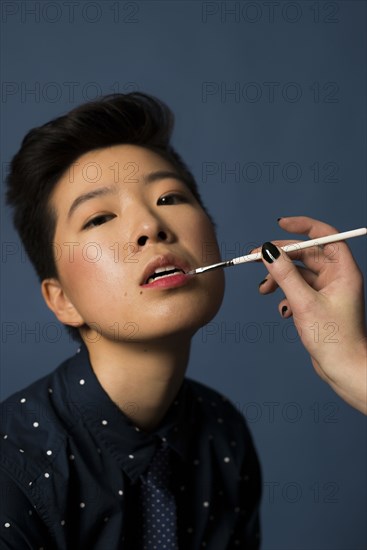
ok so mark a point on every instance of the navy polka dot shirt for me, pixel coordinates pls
(71, 464)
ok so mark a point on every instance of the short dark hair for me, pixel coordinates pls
(48, 151)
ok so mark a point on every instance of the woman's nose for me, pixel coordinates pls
(152, 229)
(161, 236)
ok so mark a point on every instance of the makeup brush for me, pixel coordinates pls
(287, 248)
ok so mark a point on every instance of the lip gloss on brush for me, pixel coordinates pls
(289, 247)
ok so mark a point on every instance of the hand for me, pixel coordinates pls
(326, 299)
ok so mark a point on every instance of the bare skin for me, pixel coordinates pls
(325, 296)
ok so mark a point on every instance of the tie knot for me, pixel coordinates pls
(159, 470)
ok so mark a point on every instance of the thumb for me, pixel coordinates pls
(298, 292)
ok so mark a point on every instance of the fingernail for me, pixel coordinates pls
(262, 282)
(284, 309)
(270, 252)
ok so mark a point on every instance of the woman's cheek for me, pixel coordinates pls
(83, 269)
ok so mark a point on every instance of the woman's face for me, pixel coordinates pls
(122, 213)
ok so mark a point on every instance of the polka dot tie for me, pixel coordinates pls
(159, 526)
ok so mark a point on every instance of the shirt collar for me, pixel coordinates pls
(132, 448)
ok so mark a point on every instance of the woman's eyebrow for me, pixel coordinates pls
(164, 174)
(100, 192)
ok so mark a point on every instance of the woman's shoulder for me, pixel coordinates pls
(32, 430)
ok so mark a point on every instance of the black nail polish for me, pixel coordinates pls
(262, 282)
(284, 309)
(270, 252)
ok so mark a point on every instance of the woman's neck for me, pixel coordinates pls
(142, 379)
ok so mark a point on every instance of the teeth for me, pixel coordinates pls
(169, 269)
(165, 268)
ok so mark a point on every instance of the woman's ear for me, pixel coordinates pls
(58, 302)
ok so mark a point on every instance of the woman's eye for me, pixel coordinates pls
(172, 198)
(98, 220)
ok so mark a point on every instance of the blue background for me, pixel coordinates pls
(251, 83)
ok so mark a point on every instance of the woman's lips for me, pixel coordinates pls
(169, 281)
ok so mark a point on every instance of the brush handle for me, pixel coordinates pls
(305, 244)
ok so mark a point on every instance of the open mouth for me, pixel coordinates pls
(163, 272)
